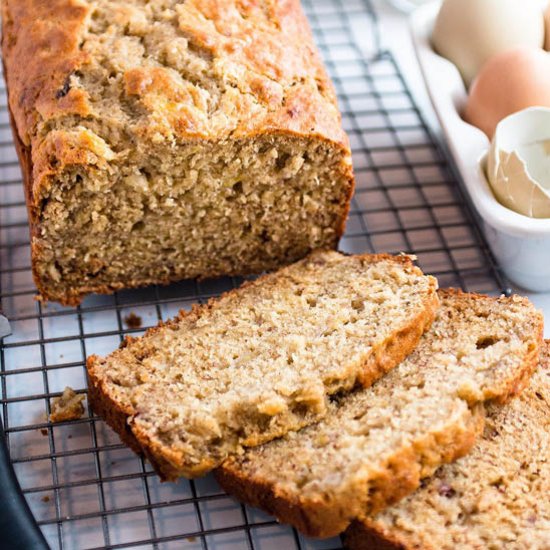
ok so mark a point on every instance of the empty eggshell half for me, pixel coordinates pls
(518, 166)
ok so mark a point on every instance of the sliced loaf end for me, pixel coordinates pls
(496, 497)
(376, 445)
(261, 360)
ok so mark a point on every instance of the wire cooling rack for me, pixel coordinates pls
(86, 489)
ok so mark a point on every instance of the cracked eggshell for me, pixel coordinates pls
(518, 166)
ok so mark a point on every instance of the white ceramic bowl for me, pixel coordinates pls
(521, 245)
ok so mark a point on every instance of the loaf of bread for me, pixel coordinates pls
(164, 140)
(497, 497)
(374, 447)
(261, 360)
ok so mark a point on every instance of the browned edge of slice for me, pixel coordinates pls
(362, 535)
(382, 359)
(318, 518)
(359, 537)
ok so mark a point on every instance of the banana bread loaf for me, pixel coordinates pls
(495, 498)
(374, 447)
(261, 360)
(171, 139)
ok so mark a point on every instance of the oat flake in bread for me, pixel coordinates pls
(262, 359)
(496, 498)
(166, 139)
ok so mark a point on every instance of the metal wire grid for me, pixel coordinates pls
(85, 488)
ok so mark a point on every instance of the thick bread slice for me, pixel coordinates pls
(375, 446)
(261, 360)
(497, 497)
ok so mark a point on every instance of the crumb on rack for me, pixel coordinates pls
(133, 321)
(44, 431)
(67, 406)
(45, 498)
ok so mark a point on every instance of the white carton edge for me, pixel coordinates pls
(467, 144)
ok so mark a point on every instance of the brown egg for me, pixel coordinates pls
(509, 82)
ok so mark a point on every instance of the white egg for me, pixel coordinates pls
(469, 32)
(518, 166)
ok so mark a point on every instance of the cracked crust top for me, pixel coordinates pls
(167, 71)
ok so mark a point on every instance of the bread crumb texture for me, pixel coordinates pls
(261, 360)
(170, 139)
(132, 320)
(68, 406)
(374, 447)
(495, 498)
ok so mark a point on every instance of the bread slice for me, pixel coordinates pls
(497, 497)
(261, 360)
(375, 446)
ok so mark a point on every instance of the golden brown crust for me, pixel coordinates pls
(517, 386)
(282, 73)
(361, 537)
(24, 155)
(111, 411)
(394, 350)
(39, 54)
(117, 417)
(512, 386)
(383, 358)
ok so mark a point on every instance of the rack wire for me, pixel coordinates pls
(86, 489)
